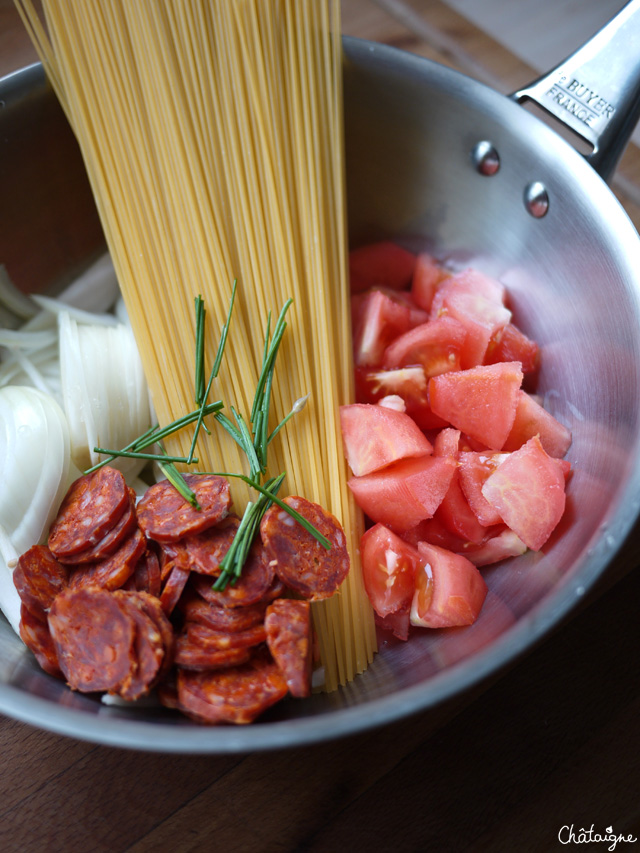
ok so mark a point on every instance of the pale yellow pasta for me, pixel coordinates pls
(212, 135)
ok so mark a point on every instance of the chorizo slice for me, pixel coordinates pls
(35, 634)
(251, 587)
(300, 561)
(237, 695)
(38, 578)
(112, 540)
(165, 516)
(114, 571)
(173, 588)
(288, 627)
(191, 656)
(153, 608)
(205, 551)
(149, 647)
(91, 508)
(146, 575)
(209, 638)
(94, 638)
(229, 619)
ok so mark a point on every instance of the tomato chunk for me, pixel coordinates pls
(527, 489)
(388, 567)
(427, 275)
(499, 547)
(378, 320)
(532, 419)
(385, 264)
(375, 436)
(475, 469)
(410, 383)
(435, 345)
(514, 345)
(450, 590)
(402, 494)
(480, 401)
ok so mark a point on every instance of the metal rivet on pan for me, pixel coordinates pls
(536, 199)
(485, 158)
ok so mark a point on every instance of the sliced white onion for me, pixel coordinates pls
(96, 290)
(105, 394)
(17, 302)
(56, 306)
(34, 463)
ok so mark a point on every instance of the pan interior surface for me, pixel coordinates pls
(574, 287)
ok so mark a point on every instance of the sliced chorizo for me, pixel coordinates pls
(38, 578)
(91, 508)
(149, 647)
(153, 608)
(114, 571)
(237, 695)
(165, 516)
(94, 637)
(229, 619)
(251, 587)
(300, 561)
(112, 540)
(35, 634)
(205, 551)
(288, 627)
(173, 587)
(190, 655)
(146, 575)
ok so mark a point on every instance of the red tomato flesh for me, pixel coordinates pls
(375, 436)
(388, 567)
(480, 401)
(450, 590)
(436, 346)
(514, 345)
(532, 419)
(378, 320)
(527, 489)
(427, 275)
(410, 383)
(475, 469)
(384, 264)
(403, 494)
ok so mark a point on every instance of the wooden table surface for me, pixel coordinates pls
(553, 743)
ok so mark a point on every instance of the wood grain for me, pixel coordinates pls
(554, 741)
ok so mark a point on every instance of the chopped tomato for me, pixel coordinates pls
(499, 547)
(375, 436)
(388, 568)
(427, 275)
(449, 589)
(402, 494)
(398, 623)
(527, 489)
(475, 468)
(474, 282)
(410, 383)
(514, 345)
(377, 320)
(532, 419)
(384, 264)
(454, 511)
(483, 318)
(480, 401)
(447, 442)
(436, 346)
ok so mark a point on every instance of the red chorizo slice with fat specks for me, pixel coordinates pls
(229, 619)
(252, 586)
(35, 634)
(91, 508)
(114, 571)
(153, 608)
(149, 647)
(190, 655)
(300, 561)
(165, 516)
(94, 637)
(237, 695)
(288, 627)
(205, 551)
(146, 575)
(176, 580)
(38, 578)
(112, 540)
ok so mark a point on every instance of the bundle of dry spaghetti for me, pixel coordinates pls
(212, 135)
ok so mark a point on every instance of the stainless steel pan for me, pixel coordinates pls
(423, 144)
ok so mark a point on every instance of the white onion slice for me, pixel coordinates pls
(95, 290)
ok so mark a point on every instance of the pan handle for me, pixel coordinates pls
(596, 91)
